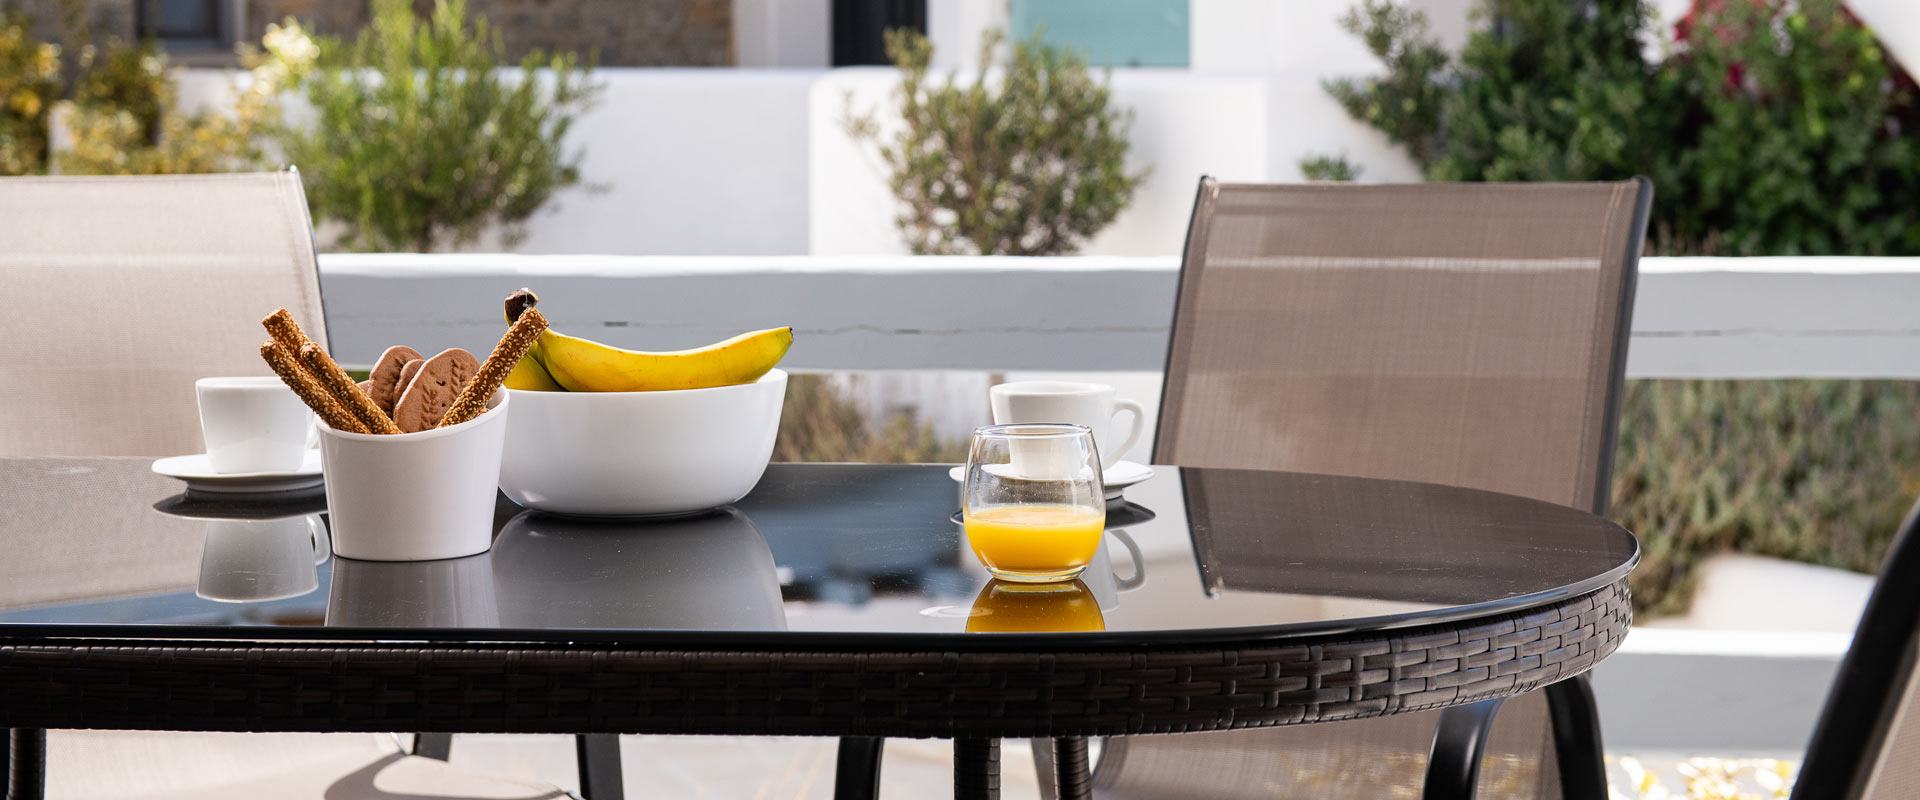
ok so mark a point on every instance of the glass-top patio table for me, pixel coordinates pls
(835, 600)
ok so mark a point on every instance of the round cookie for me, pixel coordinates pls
(433, 388)
(384, 380)
(406, 379)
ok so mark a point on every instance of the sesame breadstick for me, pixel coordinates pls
(309, 389)
(472, 401)
(286, 332)
(337, 381)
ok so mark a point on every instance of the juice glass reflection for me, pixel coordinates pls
(1033, 505)
(1008, 607)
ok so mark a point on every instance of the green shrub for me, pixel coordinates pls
(1032, 166)
(127, 78)
(29, 86)
(1769, 129)
(125, 120)
(1819, 471)
(818, 424)
(418, 142)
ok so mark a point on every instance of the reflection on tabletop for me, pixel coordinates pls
(817, 548)
(1060, 607)
(256, 548)
(713, 571)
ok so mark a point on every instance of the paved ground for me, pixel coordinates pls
(728, 768)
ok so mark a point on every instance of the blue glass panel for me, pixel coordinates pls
(1113, 33)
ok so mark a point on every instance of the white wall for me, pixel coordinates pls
(757, 161)
(1185, 125)
(692, 161)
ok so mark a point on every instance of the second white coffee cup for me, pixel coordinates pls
(1089, 404)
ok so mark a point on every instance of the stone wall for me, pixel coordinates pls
(654, 33)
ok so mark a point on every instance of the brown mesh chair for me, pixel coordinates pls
(1465, 334)
(133, 287)
(1866, 745)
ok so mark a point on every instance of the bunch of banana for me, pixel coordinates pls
(562, 363)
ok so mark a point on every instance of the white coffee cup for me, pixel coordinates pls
(255, 560)
(253, 424)
(1089, 404)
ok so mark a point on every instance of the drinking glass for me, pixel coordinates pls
(1033, 505)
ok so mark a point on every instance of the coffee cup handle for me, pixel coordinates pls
(317, 534)
(1133, 433)
(1139, 576)
(313, 431)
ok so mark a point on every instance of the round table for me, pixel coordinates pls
(835, 600)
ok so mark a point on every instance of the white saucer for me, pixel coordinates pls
(198, 472)
(1116, 478)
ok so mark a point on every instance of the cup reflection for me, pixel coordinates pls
(711, 572)
(259, 560)
(1008, 607)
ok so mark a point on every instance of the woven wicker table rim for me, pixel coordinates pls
(327, 687)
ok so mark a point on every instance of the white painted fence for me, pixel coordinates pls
(1693, 317)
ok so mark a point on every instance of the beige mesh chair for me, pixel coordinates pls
(1465, 334)
(1866, 745)
(123, 291)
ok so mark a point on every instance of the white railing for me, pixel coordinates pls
(1693, 317)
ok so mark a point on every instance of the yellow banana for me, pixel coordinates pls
(581, 365)
(530, 375)
(558, 362)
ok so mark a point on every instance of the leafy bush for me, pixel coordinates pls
(127, 78)
(125, 119)
(1819, 471)
(418, 142)
(1034, 166)
(29, 86)
(1770, 128)
(818, 424)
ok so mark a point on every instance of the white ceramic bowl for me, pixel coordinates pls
(636, 454)
(415, 496)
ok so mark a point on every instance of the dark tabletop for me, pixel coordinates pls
(817, 554)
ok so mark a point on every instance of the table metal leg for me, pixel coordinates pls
(1070, 777)
(28, 765)
(438, 746)
(1453, 766)
(976, 769)
(599, 757)
(1575, 717)
(856, 775)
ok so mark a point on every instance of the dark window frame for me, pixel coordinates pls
(223, 34)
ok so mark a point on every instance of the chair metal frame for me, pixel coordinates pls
(1857, 721)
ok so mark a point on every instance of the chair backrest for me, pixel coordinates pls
(124, 290)
(1465, 334)
(1866, 745)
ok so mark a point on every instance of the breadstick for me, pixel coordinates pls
(337, 381)
(309, 389)
(472, 401)
(286, 332)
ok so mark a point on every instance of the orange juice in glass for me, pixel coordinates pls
(1004, 607)
(1033, 505)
